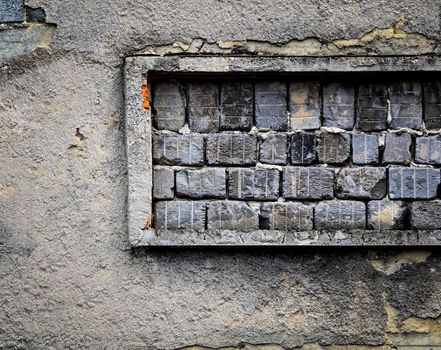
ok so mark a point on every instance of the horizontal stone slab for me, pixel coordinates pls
(277, 238)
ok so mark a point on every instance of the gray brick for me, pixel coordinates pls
(274, 149)
(338, 106)
(428, 150)
(397, 149)
(426, 215)
(236, 106)
(35, 14)
(11, 11)
(271, 110)
(304, 105)
(201, 183)
(413, 183)
(179, 215)
(406, 105)
(287, 216)
(361, 183)
(372, 107)
(231, 149)
(175, 149)
(245, 183)
(169, 106)
(365, 149)
(231, 215)
(432, 104)
(334, 148)
(308, 183)
(163, 183)
(340, 215)
(203, 107)
(387, 215)
(303, 148)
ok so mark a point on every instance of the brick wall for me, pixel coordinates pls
(296, 155)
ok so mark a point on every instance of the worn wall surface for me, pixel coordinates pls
(67, 276)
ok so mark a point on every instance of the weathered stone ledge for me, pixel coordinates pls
(278, 64)
(219, 238)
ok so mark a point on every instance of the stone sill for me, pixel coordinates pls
(271, 238)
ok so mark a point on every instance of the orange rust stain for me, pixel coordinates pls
(145, 92)
(149, 223)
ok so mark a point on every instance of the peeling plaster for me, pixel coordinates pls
(20, 40)
(413, 325)
(388, 41)
(395, 262)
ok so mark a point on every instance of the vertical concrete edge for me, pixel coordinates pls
(139, 155)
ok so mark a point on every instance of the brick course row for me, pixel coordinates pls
(305, 183)
(382, 214)
(302, 148)
(210, 107)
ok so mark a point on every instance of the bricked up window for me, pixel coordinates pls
(236, 156)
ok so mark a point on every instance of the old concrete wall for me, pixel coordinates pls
(68, 277)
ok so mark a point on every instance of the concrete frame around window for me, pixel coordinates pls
(138, 70)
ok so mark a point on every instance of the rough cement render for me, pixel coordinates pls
(68, 279)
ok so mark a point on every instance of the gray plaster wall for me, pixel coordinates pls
(68, 278)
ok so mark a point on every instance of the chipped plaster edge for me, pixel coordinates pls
(391, 40)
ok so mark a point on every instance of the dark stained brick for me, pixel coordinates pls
(334, 148)
(231, 215)
(231, 149)
(169, 106)
(246, 183)
(308, 183)
(406, 105)
(271, 110)
(179, 214)
(372, 107)
(236, 106)
(274, 149)
(203, 107)
(338, 106)
(432, 104)
(340, 214)
(287, 216)
(303, 148)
